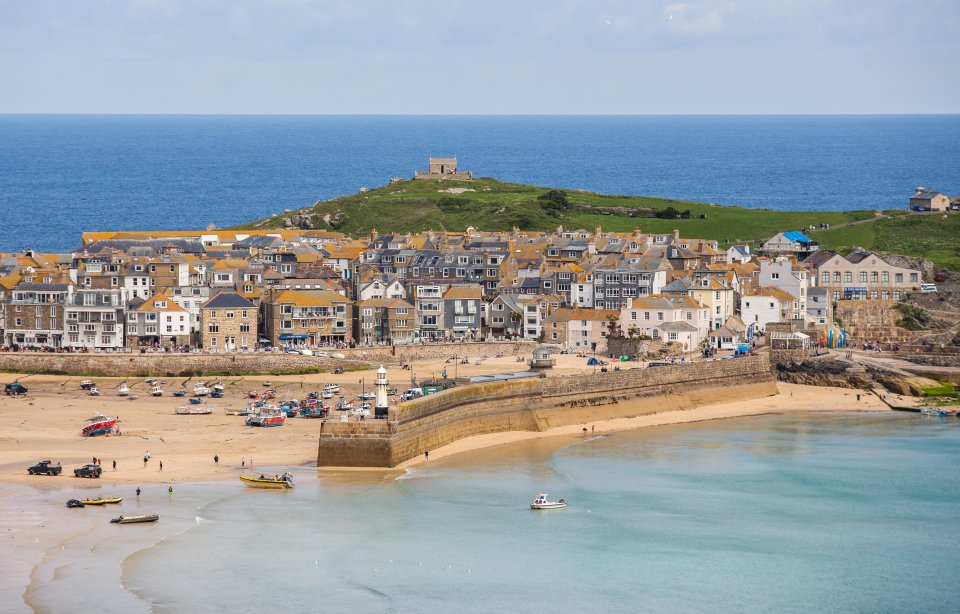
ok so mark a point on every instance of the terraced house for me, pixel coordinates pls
(862, 275)
(306, 318)
(157, 322)
(228, 322)
(34, 315)
(94, 320)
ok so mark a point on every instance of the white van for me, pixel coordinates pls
(928, 288)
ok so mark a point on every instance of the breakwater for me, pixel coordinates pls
(537, 405)
(128, 364)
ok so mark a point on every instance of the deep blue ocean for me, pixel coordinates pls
(62, 175)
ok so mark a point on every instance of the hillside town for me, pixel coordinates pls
(305, 290)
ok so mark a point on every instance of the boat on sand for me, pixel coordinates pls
(135, 519)
(101, 501)
(278, 481)
(193, 410)
(543, 503)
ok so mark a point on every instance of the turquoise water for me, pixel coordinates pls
(840, 512)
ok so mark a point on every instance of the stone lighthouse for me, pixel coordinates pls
(380, 409)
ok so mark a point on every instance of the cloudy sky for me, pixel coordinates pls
(479, 56)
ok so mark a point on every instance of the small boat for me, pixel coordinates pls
(87, 385)
(367, 396)
(74, 503)
(156, 391)
(254, 394)
(200, 390)
(315, 411)
(291, 408)
(312, 396)
(99, 425)
(268, 394)
(195, 400)
(216, 394)
(234, 411)
(935, 411)
(542, 503)
(179, 393)
(267, 416)
(135, 519)
(193, 410)
(344, 405)
(94, 392)
(123, 390)
(151, 382)
(334, 388)
(101, 501)
(268, 384)
(218, 387)
(327, 394)
(280, 481)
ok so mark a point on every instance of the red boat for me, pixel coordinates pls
(267, 416)
(99, 425)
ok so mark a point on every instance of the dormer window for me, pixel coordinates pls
(162, 304)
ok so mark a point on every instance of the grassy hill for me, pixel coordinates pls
(488, 204)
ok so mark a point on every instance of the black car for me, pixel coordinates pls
(45, 467)
(14, 389)
(88, 471)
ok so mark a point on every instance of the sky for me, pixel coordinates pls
(479, 56)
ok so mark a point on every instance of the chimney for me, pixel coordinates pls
(676, 234)
(596, 231)
(373, 234)
(636, 233)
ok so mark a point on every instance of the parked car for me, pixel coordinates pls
(88, 471)
(940, 276)
(45, 467)
(928, 288)
(15, 389)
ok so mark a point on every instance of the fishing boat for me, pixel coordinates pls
(280, 481)
(101, 501)
(239, 411)
(367, 396)
(253, 394)
(218, 387)
(542, 503)
(179, 393)
(94, 392)
(87, 385)
(195, 400)
(315, 411)
(99, 425)
(268, 394)
(328, 394)
(193, 410)
(200, 390)
(267, 416)
(123, 390)
(935, 411)
(291, 408)
(334, 388)
(135, 519)
(344, 405)
(156, 391)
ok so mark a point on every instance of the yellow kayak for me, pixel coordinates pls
(281, 481)
(101, 501)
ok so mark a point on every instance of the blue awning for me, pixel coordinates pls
(293, 337)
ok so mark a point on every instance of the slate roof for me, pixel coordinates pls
(228, 300)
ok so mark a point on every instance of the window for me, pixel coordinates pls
(286, 324)
(633, 315)
(213, 315)
(825, 277)
(898, 278)
(874, 276)
(646, 315)
(863, 277)
(914, 278)
(244, 328)
(660, 315)
(848, 277)
(885, 277)
(775, 276)
(673, 336)
(229, 314)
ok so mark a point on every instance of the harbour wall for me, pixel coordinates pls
(123, 364)
(431, 422)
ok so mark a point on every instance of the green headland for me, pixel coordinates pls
(488, 204)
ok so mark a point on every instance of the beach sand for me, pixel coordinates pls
(46, 543)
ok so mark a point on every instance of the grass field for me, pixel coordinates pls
(488, 204)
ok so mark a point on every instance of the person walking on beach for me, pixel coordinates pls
(216, 460)
(145, 459)
(114, 464)
(161, 465)
(169, 489)
(138, 493)
(426, 455)
(243, 463)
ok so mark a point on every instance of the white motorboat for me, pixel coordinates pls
(332, 388)
(543, 503)
(123, 390)
(218, 387)
(193, 410)
(327, 394)
(200, 390)
(156, 391)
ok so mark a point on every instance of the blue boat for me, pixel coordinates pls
(195, 401)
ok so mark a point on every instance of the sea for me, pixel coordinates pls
(832, 512)
(61, 175)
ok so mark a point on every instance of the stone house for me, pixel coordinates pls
(94, 319)
(228, 322)
(862, 275)
(614, 287)
(925, 199)
(34, 314)
(520, 316)
(578, 329)
(384, 320)
(791, 243)
(443, 168)
(306, 318)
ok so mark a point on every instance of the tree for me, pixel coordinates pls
(554, 201)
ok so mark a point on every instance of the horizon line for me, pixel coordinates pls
(232, 114)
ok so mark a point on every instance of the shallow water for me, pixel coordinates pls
(838, 512)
